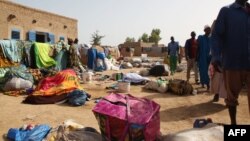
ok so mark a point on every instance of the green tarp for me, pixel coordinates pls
(43, 60)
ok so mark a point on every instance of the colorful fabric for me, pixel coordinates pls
(63, 82)
(3, 71)
(73, 57)
(5, 61)
(19, 72)
(37, 75)
(26, 55)
(61, 60)
(15, 93)
(204, 58)
(42, 56)
(10, 50)
(122, 116)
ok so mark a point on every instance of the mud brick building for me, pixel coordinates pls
(26, 23)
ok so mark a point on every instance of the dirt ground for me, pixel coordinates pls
(176, 112)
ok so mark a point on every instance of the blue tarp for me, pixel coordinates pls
(38, 133)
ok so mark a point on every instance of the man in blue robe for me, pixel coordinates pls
(204, 57)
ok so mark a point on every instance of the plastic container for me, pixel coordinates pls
(87, 77)
(123, 86)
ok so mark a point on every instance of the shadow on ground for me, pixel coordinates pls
(185, 112)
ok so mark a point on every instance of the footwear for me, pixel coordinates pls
(202, 85)
(216, 98)
(208, 87)
(197, 82)
(232, 113)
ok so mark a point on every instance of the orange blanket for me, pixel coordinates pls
(63, 82)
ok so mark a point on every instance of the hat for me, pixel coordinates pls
(206, 26)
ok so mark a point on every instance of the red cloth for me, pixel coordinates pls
(194, 46)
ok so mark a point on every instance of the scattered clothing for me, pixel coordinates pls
(77, 98)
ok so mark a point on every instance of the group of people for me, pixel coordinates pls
(197, 54)
(225, 53)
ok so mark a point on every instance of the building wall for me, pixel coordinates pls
(143, 48)
(155, 51)
(135, 46)
(45, 22)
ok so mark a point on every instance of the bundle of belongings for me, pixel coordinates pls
(100, 62)
(144, 72)
(37, 75)
(64, 85)
(159, 85)
(124, 117)
(29, 133)
(135, 79)
(159, 70)
(72, 131)
(210, 132)
(126, 65)
(69, 130)
(180, 87)
(16, 79)
(10, 53)
(136, 62)
(110, 64)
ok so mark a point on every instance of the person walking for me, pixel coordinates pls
(173, 51)
(230, 40)
(191, 46)
(203, 56)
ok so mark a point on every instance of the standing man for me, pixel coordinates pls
(191, 54)
(203, 56)
(173, 51)
(231, 40)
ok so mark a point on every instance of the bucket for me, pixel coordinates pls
(117, 76)
(123, 86)
(87, 77)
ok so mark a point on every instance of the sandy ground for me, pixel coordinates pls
(176, 112)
